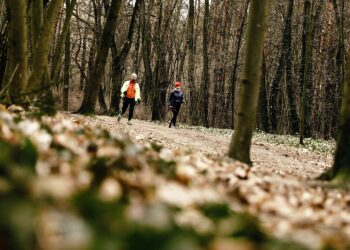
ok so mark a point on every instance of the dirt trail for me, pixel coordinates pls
(268, 159)
(279, 189)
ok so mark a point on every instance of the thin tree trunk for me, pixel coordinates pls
(263, 106)
(3, 52)
(191, 54)
(146, 50)
(251, 78)
(274, 90)
(206, 77)
(95, 79)
(232, 85)
(61, 41)
(67, 55)
(340, 60)
(305, 123)
(287, 48)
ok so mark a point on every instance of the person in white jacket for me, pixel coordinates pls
(130, 93)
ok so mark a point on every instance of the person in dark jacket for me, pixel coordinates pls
(176, 98)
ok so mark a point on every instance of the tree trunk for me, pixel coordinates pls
(37, 10)
(287, 48)
(61, 42)
(263, 106)
(102, 101)
(119, 61)
(206, 77)
(306, 92)
(341, 166)
(251, 78)
(161, 71)
(274, 90)
(146, 51)
(67, 62)
(37, 83)
(191, 54)
(233, 77)
(15, 77)
(94, 83)
(3, 52)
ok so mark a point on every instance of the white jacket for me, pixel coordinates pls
(137, 90)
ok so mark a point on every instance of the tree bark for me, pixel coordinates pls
(191, 54)
(206, 76)
(251, 78)
(61, 41)
(341, 166)
(233, 77)
(37, 80)
(274, 90)
(147, 51)
(15, 77)
(263, 106)
(37, 10)
(119, 60)
(287, 48)
(95, 79)
(67, 55)
(306, 92)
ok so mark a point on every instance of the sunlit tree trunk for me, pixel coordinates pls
(251, 78)
(95, 79)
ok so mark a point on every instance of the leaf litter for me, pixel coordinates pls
(76, 182)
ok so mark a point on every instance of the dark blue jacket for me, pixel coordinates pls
(176, 98)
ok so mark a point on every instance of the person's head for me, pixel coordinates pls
(178, 85)
(133, 76)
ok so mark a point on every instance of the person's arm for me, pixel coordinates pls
(137, 93)
(170, 100)
(124, 89)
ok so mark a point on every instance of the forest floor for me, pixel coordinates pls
(281, 189)
(89, 182)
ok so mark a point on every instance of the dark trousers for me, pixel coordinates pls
(175, 109)
(126, 103)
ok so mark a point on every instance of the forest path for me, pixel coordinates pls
(280, 189)
(269, 159)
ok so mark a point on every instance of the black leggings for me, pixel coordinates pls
(175, 109)
(126, 103)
